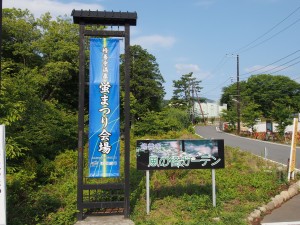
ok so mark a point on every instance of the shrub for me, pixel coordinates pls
(155, 123)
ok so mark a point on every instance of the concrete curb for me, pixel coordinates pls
(275, 202)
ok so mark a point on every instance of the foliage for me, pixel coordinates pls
(267, 89)
(38, 124)
(48, 52)
(272, 97)
(38, 101)
(230, 116)
(20, 48)
(184, 196)
(282, 115)
(185, 91)
(197, 120)
(155, 123)
(59, 47)
(230, 93)
(61, 190)
(146, 82)
(250, 113)
(53, 203)
(38, 105)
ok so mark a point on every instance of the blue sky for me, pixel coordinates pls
(204, 36)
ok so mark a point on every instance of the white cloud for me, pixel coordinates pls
(55, 7)
(154, 41)
(187, 68)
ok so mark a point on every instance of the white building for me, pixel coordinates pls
(261, 127)
(209, 109)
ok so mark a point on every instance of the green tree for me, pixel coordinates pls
(265, 90)
(146, 84)
(47, 47)
(185, 91)
(36, 106)
(267, 94)
(282, 115)
(19, 36)
(59, 49)
(36, 122)
(230, 116)
(169, 119)
(229, 93)
(250, 113)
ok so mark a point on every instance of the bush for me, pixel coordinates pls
(156, 123)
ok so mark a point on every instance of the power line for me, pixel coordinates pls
(271, 36)
(214, 89)
(281, 66)
(246, 47)
(219, 65)
(270, 63)
(286, 67)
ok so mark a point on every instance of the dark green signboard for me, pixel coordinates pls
(180, 154)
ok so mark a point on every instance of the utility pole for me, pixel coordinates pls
(199, 102)
(238, 106)
(193, 102)
(1, 43)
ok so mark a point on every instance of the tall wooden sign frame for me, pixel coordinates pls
(103, 18)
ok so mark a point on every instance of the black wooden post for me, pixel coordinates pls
(127, 122)
(80, 122)
(0, 44)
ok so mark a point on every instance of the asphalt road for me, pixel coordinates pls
(276, 152)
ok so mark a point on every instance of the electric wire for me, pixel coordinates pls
(269, 64)
(286, 67)
(219, 65)
(276, 71)
(271, 36)
(214, 89)
(279, 66)
(247, 47)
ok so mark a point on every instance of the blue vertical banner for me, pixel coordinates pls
(104, 108)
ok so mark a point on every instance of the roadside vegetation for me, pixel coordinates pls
(263, 97)
(185, 196)
(38, 105)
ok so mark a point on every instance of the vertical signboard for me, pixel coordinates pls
(2, 177)
(104, 108)
(292, 162)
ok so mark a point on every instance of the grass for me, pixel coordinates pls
(185, 196)
(177, 196)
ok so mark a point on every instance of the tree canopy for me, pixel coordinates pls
(38, 88)
(185, 91)
(38, 105)
(267, 96)
(146, 84)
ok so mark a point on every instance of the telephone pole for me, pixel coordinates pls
(238, 106)
(1, 43)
